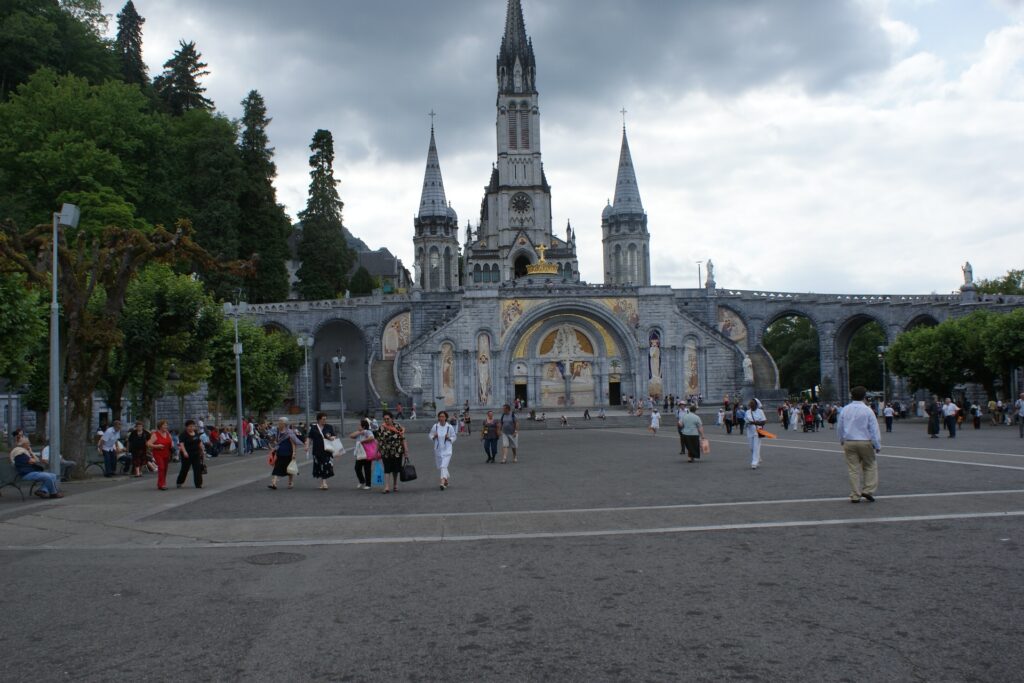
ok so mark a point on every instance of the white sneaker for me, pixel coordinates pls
(359, 487)
(753, 467)
(367, 488)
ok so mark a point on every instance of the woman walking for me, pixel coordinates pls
(691, 430)
(160, 444)
(138, 441)
(393, 450)
(489, 435)
(364, 466)
(190, 448)
(284, 453)
(755, 419)
(443, 436)
(320, 433)
(655, 422)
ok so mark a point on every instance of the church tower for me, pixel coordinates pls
(627, 258)
(515, 215)
(437, 231)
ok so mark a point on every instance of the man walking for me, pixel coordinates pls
(861, 441)
(949, 411)
(889, 414)
(1019, 405)
(509, 434)
(107, 444)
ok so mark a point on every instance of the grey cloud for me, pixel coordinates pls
(371, 71)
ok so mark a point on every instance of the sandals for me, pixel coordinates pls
(269, 486)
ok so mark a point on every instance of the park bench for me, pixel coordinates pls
(9, 477)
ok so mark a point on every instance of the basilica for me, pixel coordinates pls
(498, 312)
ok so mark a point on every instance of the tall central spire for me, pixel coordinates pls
(516, 64)
(432, 199)
(627, 194)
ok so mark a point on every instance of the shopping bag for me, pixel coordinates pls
(705, 446)
(408, 472)
(371, 450)
(378, 473)
(293, 467)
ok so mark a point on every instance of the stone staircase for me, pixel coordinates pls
(382, 375)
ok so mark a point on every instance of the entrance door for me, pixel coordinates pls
(614, 393)
(521, 392)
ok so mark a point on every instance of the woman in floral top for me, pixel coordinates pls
(393, 449)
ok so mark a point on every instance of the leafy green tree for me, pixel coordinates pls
(325, 256)
(864, 364)
(929, 358)
(167, 320)
(269, 360)
(61, 35)
(23, 322)
(362, 283)
(101, 143)
(267, 226)
(1004, 344)
(178, 86)
(128, 45)
(209, 182)
(1011, 283)
(793, 343)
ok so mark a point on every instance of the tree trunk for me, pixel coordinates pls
(41, 433)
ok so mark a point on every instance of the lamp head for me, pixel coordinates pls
(69, 215)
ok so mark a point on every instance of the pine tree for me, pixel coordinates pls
(128, 45)
(266, 224)
(325, 256)
(178, 86)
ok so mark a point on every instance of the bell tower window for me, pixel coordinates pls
(524, 128)
(513, 121)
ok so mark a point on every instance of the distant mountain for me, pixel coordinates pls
(353, 242)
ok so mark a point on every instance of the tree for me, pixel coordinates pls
(269, 360)
(864, 363)
(266, 224)
(22, 325)
(95, 271)
(325, 256)
(362, 283)
(128, 45)
(178, 86)
(1004, 344)
(1011, 283)
(64, 36)
(793, 343)
(167, 320)
(928, 358)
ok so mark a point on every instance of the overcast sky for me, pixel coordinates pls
(861, 146)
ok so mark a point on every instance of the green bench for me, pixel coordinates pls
(9, 477)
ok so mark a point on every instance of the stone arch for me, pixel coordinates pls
(519, 263)
(843, 336)
(920, 319)
(434, 269)
(777, 364)
(614, 365)
(331, 336)
(276, 326)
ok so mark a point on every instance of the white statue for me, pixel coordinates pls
(968, 273)
(748, 370)
(417, 375)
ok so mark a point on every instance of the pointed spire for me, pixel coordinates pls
(432, 200)
(627, 194)
(516, 64)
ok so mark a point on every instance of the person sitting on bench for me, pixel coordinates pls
(31, 469)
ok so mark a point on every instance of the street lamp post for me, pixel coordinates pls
(881, 356)
(236, 311)
(67, 216)
(699, 264)
(306, 342)
(173, 379)
(339, 362)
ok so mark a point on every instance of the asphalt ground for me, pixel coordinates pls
(600, 556)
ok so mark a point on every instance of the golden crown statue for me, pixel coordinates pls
(542, 267)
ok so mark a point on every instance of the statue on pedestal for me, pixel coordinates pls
(748, 370)
(417, 375)
(968, 274)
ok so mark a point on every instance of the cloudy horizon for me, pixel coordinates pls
(866, 146)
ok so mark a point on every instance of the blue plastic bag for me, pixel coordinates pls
(378, 473)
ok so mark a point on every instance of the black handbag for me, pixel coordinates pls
(408, 472)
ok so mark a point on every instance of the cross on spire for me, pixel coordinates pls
(623, 112)
(432, 115)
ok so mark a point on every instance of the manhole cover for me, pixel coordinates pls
(275, 558)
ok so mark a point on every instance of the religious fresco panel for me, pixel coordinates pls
(731, 325)
(654, 377)
(396, 335)
(483, 368)
(447, 392)
(567, 375)
(691, 368)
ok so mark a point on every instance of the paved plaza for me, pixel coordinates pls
(601, 556)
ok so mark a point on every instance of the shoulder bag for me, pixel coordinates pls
(408, 472)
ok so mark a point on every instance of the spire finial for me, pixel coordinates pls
(432, 114)
(623, 112)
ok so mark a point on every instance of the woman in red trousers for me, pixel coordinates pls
(160, 443)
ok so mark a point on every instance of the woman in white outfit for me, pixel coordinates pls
(755, 418)
(443, 435)
(655, 421)
(796, 420)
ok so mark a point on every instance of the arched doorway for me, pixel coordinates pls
(862, 345)
(793, 343)
(519, 267)
(339, 338)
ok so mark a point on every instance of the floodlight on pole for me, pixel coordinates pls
(236, 311)
(67, 216)
(339, 362)
(306, 342)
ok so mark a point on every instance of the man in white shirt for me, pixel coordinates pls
(107, 444)
(861, 441)
(889, 413)
(949, 411)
